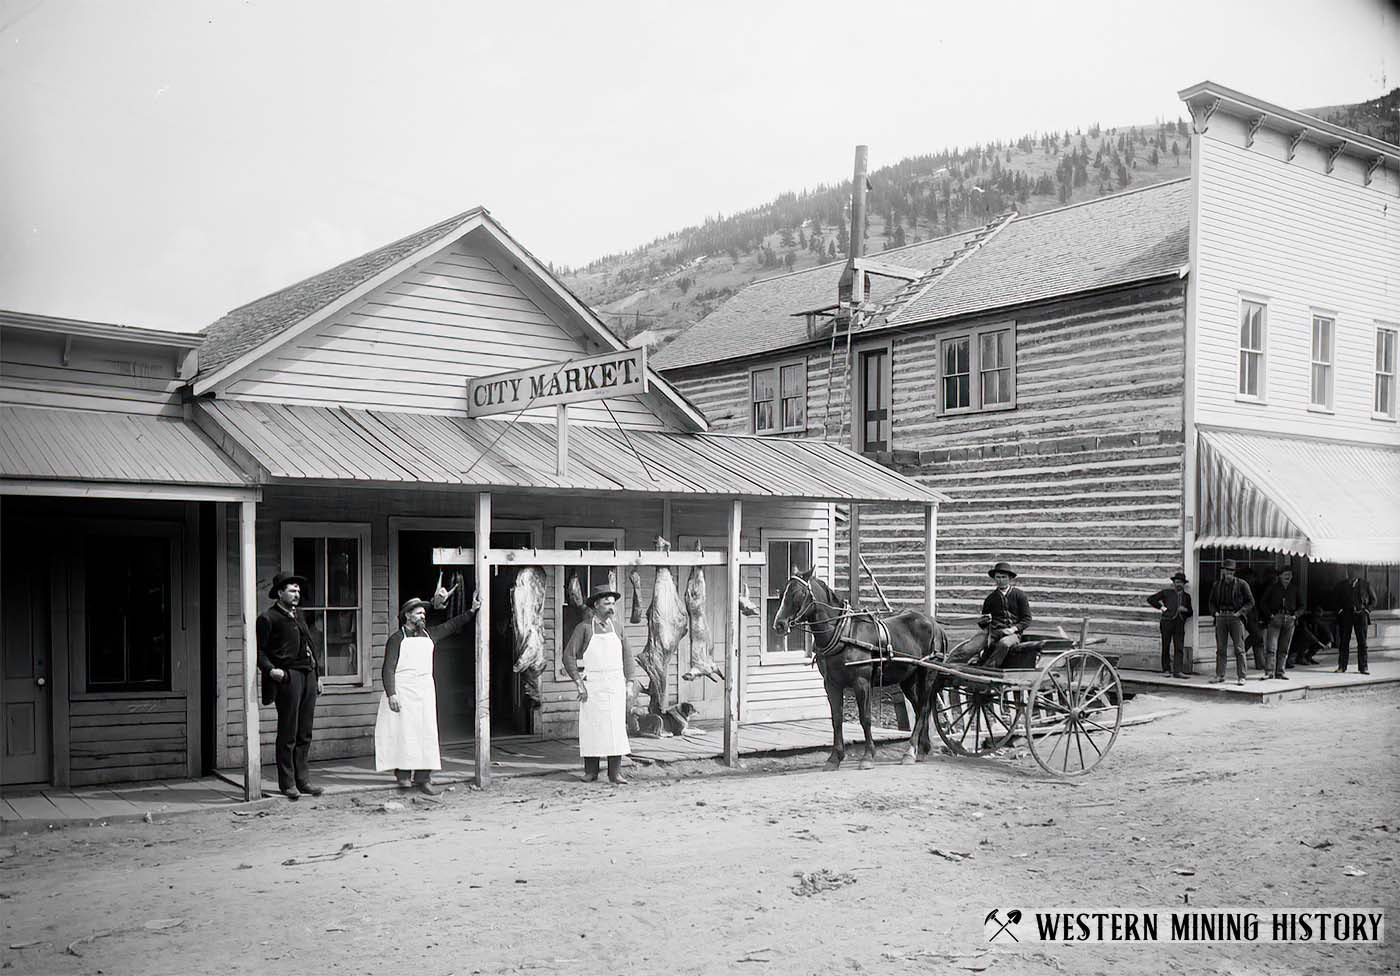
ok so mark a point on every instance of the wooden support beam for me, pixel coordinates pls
(248, 593)
(930, 557)
(733, 655)
(666, 519)
(483, 641)
(561, 454)
(596, 557)
(853, 538)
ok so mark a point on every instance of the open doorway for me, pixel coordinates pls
(454, 658)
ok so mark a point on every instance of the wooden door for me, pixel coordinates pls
(707, 696)
(26, 696)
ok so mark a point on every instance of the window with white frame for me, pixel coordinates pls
(334, 557)
(582, 577)
(977, 370)
(1386, 337)
(778, 395)
(1324, 328)
(784, 555)
(1253, 329)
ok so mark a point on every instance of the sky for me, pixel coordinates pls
(164, 161)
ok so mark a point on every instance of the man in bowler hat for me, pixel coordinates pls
(292, 680)
(1006, 613)
(1174, 603)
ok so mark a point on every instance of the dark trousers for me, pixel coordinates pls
(1173, 645)
(1229, 627)
(1348, 623)
(1277, 640)
(296, 712)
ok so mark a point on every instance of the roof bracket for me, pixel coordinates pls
(1200, 117)
(1295, 142)
(1254, 125)
(67, 349)
(1332, 156)
(1371, 168)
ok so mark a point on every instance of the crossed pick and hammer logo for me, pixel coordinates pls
(1013, 917)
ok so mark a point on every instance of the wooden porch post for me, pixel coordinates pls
(733, 657)
(930, 557)
(248, 587)
(853, 538)
(483, 641)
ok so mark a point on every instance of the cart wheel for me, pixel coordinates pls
(1076, 708)
(973, 720)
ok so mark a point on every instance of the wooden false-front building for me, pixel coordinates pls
(323, 429)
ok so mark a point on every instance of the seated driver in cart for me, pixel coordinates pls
(1006, 613)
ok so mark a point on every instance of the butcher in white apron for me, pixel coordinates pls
(405, 730)
(599, 661)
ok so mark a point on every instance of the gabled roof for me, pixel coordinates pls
(1115, 240)
(767, 315)
(249, 326)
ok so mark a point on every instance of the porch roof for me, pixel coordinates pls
(339, 445)
(1283, 494)
(42, 444)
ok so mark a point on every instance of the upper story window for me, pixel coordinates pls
(1386, 337)
(1323, 331)
(1253, 330)
(779, 398)
(977, 371)
(334, 557)
(874, 417)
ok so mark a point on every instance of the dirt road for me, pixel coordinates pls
(692, 870)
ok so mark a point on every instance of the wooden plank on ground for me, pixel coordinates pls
(71, 805)
(34, 807)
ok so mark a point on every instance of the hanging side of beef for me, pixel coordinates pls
(527, 598)
(702, 664)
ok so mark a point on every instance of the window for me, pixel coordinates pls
(596, 540)
(875, 399)
(1385, 372)
(978, 370)
(779, 395)
(785, 555)
(335, 559)
(127, 597)
(1253, 323)
(1323, 330)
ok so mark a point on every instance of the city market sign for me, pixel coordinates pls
(612, 374)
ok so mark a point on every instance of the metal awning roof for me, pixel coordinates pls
(1326, 500)
(41, 444)
(335, 444)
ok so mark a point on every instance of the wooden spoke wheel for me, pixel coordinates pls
(973, 720)
(1074, 713)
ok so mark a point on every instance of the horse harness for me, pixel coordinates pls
(883, 649)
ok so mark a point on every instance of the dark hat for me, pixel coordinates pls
(600, 591)
(281, 580)
(412, 604)
(1228, 564)
(1002, 568)
(1179, 575)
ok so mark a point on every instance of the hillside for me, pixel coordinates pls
(678, 279)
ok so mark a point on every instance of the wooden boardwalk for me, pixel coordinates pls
(512, 756)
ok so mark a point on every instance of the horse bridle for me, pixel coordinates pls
(799, 622)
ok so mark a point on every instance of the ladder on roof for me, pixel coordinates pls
(838, 372)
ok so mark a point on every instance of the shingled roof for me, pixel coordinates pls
(249, 326)
(767, 315)
(1108, 241)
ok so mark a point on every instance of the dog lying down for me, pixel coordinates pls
(674, 721)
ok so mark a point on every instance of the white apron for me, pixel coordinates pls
(408, 738)
(602, 720)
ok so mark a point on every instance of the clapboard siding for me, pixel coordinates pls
(1080, 485)
(1303, 239)
(345, 714)
(126, 738)
(413, 343)
(116, 378)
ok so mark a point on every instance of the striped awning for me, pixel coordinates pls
(336, 444)
(1326, 500)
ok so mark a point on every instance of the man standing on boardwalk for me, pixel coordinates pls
(1279, 609)
(1230, 600)
(1354, 598)
(1174, 603)
(292, 680)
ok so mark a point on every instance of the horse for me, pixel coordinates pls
(851, 652)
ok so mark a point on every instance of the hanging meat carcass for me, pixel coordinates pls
(702, 664)
(746, 605)
(666, 625)
(527, 598)
(574, 591)
(635, 578)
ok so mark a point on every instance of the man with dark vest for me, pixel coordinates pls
(1006, 613)
(1279, 611)
(1354, 598)
(292, 680)
(1174, 603)
(1230, 600)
